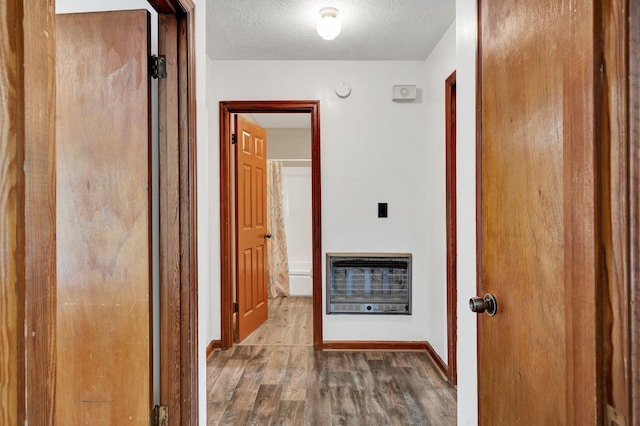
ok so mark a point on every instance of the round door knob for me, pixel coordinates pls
(487, 304)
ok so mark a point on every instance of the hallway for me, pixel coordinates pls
(282, 381)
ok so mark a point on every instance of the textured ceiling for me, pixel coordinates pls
(285, 29)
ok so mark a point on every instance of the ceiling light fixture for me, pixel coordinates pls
(329, 26)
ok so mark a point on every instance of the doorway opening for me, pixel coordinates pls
(227, 110)
(288, 245)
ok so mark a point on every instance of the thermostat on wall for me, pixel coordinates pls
(404, 92)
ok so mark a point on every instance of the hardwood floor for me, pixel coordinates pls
(290, 323)
(285, 383)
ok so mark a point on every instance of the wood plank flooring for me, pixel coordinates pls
(284, 383)
(290, 323)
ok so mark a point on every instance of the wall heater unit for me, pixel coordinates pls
(369, 283)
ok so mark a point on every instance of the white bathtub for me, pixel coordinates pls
(300, 278)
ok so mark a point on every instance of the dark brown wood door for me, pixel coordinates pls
(522, 366)
(251, 226)
(103, 219)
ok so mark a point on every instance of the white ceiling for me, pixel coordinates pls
(285, 29)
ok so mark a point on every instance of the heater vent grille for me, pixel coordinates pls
(368, 283)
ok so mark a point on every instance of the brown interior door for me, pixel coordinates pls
(103, 219)
(251, 222)
(522, 350)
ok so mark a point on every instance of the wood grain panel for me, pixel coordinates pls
(582, 291)
(260, 148)
(103, 219)
(438, 362)
(213, 345)
(39, 21)
(521, 232)
(246, 145)
(295, 385)
(452, 228)
(246, 298)
(11, 216)
(634, 201)
(169, 217)
(251, 192)
(589, 132)
(226, 230)
(247, 218)
(290, 324)
(165, 6)
(39, 166)
(316, 223)
(188, 210)
(613, 175)
(260, 200)
(261, 277)
(634, 205)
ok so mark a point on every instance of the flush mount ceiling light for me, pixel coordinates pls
(329, 26)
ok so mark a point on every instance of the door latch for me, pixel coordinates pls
(487, 304)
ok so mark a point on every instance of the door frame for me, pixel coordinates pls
(178, 212)
(227, 109)
(634, 223)
(36, 212)
(618, 212)
(452, 229)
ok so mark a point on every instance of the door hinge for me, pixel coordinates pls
(158, 66)
(236, 308)
(161, 415)
(614, 418)
(234, 139)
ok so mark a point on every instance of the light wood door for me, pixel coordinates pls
(251, 226)
(103, 219)
(526, 366)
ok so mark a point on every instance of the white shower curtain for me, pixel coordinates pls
(277, 257)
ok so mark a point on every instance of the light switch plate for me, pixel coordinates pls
(382, 210)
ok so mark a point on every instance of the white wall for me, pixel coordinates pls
(359, 135)
(439, 65)
(373, 150)
(466, 203)
(283, 143)
(296, 199)
(206, 246)
(288, 143)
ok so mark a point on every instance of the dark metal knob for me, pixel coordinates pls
(267, 235)
(487, 304)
